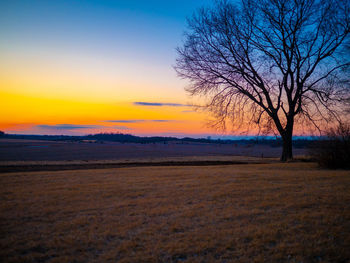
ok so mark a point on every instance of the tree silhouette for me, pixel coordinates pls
(270, 63)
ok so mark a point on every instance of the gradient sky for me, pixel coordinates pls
(78, 67)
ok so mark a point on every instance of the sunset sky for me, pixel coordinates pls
(78, 67)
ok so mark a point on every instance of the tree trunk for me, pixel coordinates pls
(287, 151)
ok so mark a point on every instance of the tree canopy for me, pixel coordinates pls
(273, 64)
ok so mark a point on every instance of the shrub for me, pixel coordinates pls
(334, 151)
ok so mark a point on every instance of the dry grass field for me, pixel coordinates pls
(291, 212)
(31, 150)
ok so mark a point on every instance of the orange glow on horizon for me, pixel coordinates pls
(23, 113)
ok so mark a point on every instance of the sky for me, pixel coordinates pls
(76, 67)
(81, 67)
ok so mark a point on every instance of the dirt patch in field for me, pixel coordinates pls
(7, 167)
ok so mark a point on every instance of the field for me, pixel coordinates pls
(31, 150)
(293, 212)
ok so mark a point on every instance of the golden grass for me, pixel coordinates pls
(290, 212)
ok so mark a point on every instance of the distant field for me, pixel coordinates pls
(275, 212)
(29, 150)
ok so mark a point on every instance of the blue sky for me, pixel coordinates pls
(134, 27)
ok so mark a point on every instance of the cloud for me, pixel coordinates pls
(187, 111)
(138, 121)
(159, 104)
(121, 127)
(125, 121)
(68, 126)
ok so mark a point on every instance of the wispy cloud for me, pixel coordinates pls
(121, 127)
(125, 121)
(77, 127)
(159, 104)
(138, 121)
(68, 126)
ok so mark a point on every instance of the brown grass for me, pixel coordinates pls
(245, 213)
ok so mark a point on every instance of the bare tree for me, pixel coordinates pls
(270, 63)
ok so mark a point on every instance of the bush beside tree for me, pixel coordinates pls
(334, 151)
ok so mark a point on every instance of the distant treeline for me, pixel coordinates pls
(128, 138)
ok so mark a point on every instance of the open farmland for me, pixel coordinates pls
(275, 212)
(36, 150)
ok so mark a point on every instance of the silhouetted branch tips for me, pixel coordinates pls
(275, 64)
